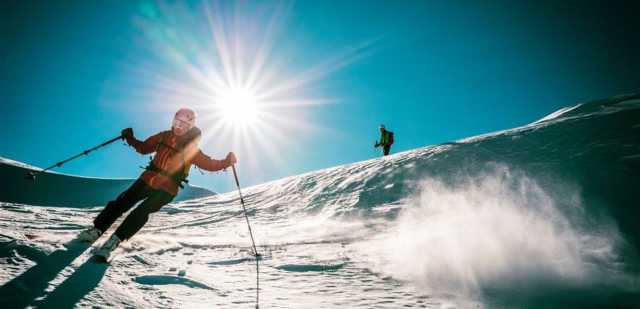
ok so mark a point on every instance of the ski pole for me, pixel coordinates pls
(32, 175)
(257, 255)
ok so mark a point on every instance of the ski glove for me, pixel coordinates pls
(127, 133)
(231, 158)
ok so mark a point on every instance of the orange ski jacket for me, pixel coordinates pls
(170, 159)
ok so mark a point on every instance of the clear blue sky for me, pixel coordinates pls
(74, 73)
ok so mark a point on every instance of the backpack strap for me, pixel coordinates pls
(178, 177)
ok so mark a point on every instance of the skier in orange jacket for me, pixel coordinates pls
(175, 151)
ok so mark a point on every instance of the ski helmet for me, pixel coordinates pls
(185, 116)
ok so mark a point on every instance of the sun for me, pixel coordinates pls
(238, 107)
(221, 59)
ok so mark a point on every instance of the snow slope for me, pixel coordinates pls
(55, 189)
(544, 215)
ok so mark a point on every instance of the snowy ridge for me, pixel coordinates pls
(78, 191)
(595, 108)
(557, 113)
(543, 215)
(18, 164)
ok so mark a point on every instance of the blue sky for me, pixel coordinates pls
(76, 73)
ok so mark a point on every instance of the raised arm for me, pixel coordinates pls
(143, 147)
(204, 162)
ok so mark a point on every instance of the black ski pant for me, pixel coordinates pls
(386, 149)
(153, 200)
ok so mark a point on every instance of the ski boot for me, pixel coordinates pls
(105, 251)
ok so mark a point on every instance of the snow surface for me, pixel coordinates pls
(539, 216)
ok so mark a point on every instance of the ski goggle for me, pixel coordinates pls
(181, 124)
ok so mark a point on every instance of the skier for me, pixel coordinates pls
(386, 140)
(175, 151)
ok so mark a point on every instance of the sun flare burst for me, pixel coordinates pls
(238, 106)
(218, 57)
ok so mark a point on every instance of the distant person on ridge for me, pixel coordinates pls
(175, 151)
(386, 140)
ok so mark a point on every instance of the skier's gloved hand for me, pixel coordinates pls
(231, 159)
(127, 133)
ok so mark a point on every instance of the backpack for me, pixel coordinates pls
(390, 138)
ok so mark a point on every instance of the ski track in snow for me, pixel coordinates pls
(467, 224)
